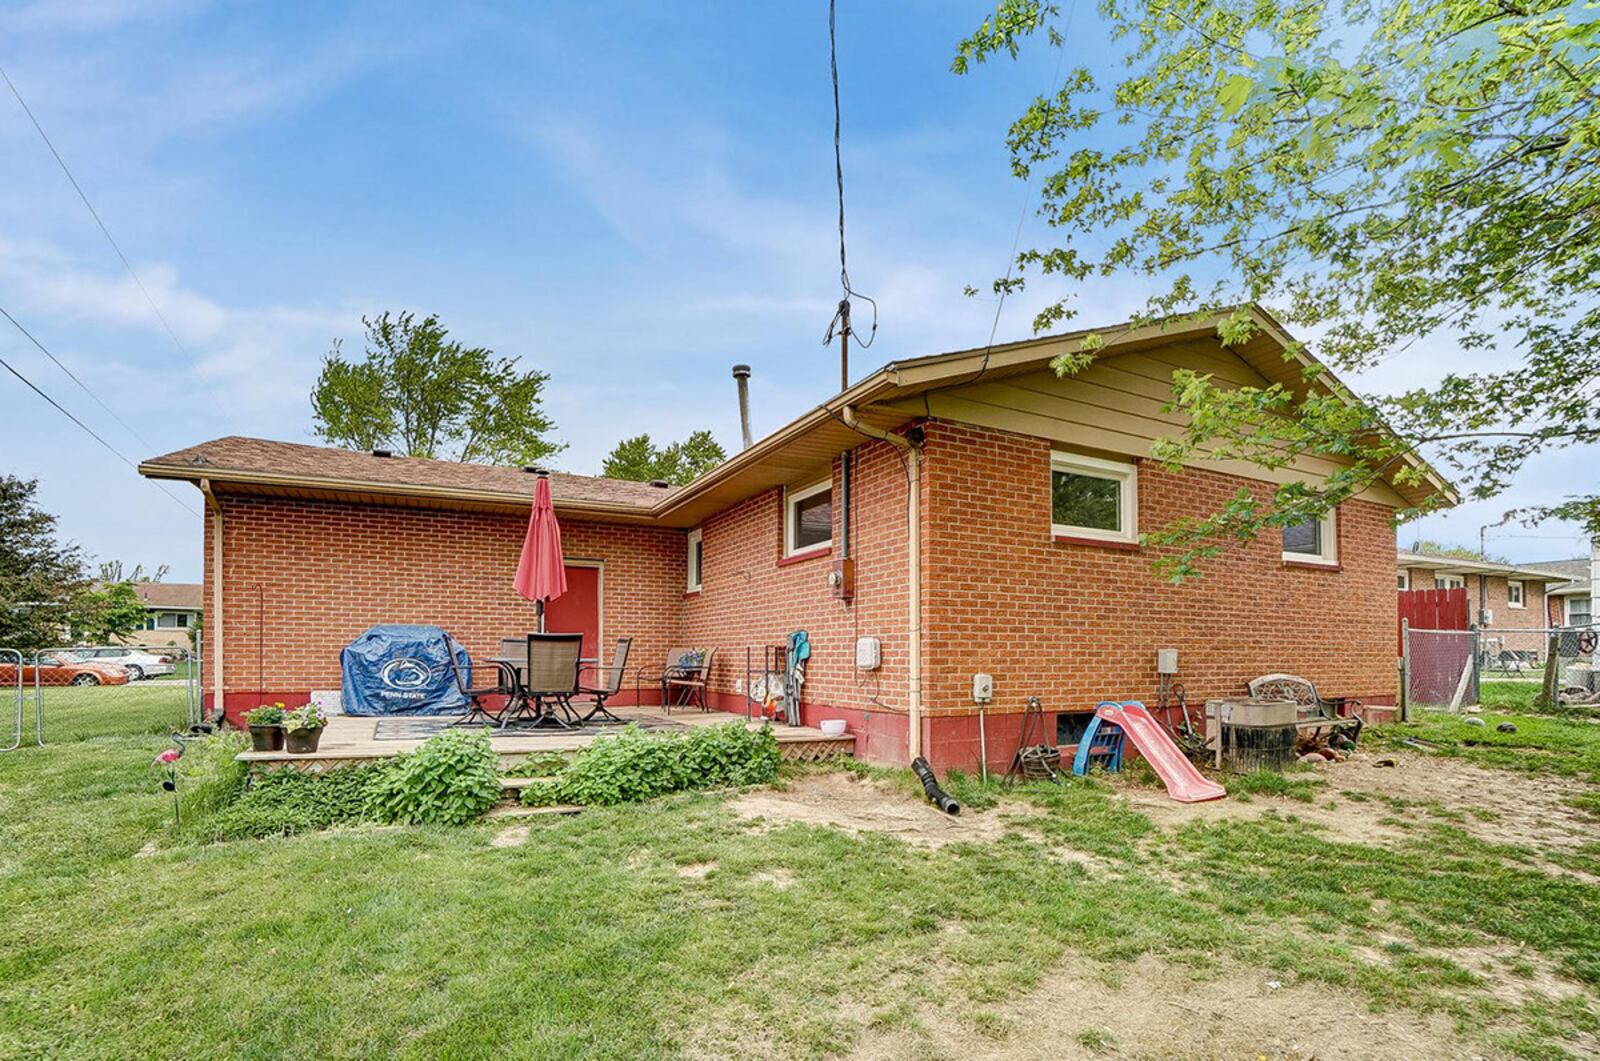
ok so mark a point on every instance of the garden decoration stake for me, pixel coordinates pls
(168, 761)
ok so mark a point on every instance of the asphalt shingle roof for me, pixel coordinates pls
(236, 453)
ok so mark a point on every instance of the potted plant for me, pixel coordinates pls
(302, 729)
(266, 727)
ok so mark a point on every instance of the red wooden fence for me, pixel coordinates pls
(1434, 609)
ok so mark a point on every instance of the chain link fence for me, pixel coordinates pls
(1438, 668)
(80, 692)
(1450, 668)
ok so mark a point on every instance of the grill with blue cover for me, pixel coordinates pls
(395, 669)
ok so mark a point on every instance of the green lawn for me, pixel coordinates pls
(75, 713)
(658, 930)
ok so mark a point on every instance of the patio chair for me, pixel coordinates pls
(550, 681)
(679, 662)
(689, 687)
(601, 691)
(1316, 711)
(506, 685)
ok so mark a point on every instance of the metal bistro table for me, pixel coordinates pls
(544, 711)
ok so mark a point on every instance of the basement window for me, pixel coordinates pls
(696, 556)
(1093, 498)
(1312, 540)
(1514, 595)
(808, 519)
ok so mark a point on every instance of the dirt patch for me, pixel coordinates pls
(1342, 823)
(856, 805)
(1500, 806)
(779, 879)
(510, 837)
(1151, 1009)
(696, 870)
(1494, 805)
(1518, 976)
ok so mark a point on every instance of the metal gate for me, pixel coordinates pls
(85, 691)
(1549, 665)
(11, 698)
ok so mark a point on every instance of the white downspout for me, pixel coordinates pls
(214, 620)
(913, 456)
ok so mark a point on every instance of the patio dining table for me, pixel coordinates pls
(544, 711)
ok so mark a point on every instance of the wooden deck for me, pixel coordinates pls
(350, 740)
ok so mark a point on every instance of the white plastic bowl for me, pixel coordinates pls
(831, 727)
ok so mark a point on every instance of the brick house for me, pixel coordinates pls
(172, 610)
(971, 511)
(1515, 597)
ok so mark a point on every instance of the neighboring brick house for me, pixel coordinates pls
(992, 527)
(1513, 595)
(1571, 598)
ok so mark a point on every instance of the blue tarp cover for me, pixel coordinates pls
(403, 670)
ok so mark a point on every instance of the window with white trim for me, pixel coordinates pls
(1450, 581)
(1514, 595)
(695, 559)
(808, 519)
(1093, 498)
(1404, 580)
(1313, 540)
(1579, 612)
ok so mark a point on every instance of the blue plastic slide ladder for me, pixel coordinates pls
(1100, 745)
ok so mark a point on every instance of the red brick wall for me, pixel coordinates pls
(1074, 624)
(751, 596)
(1070, 623)
(303, 578)
(1507, 620)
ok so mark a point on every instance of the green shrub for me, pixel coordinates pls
(635, 766)
(283, 802)
(453, 778)
(265, 715)
(210, 779)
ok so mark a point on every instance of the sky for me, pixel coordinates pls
(630, 197)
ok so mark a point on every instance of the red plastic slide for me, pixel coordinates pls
(1184, 783)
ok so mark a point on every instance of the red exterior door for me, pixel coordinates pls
(578, 609)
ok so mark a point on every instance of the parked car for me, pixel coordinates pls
(60, 668)
(138, 662)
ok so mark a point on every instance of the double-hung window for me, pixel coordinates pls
(1093, 498)
(1515, 597)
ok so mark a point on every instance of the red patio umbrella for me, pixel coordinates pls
(541, 576)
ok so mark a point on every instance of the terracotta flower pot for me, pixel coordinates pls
(266, 738)
(302, 741)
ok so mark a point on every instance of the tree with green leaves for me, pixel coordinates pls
(423, 394)
(108, 613)
(43, 582)
(640, 459)
(1383, 173)
(1458, 552)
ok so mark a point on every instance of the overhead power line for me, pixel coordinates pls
(90, 431)
(1022, 215)
(126, 264)
(74, 377)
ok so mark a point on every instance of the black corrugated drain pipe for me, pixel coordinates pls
(930, 784)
